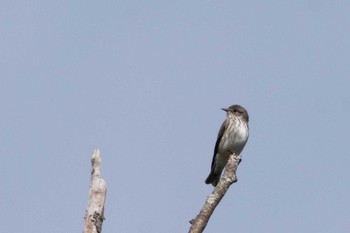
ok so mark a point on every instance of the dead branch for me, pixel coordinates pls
(229, 177)
(94, 215)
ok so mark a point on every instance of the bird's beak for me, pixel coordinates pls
(225, 109)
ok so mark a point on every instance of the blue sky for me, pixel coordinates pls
(144, 82)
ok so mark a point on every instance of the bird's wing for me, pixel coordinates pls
(220, 134)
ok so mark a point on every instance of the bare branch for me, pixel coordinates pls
(94, 215)
(229, 177)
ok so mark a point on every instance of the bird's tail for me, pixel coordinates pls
(213, 178)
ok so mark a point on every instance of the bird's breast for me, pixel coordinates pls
(235, 137)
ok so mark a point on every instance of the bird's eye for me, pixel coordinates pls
(235, 110)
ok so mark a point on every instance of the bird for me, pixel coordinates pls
(232, 137)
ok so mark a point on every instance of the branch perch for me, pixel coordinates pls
(229, 177)
(94, 215)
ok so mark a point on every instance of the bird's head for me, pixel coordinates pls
(237, 111)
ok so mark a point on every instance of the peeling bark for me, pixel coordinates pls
(94, 215)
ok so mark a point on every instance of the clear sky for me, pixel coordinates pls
(144, 82)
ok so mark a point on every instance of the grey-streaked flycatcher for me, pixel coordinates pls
(232, 137)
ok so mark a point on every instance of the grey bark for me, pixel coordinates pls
(229, 177)
(94, 215)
